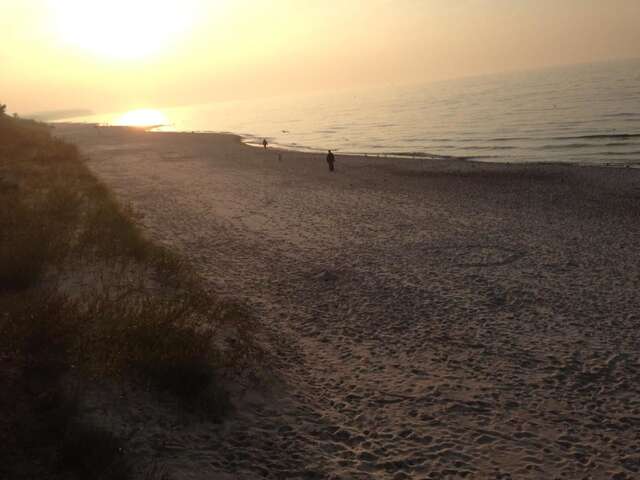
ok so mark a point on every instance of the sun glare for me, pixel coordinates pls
(143, 118)
(123, 29)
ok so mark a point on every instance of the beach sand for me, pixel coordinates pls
(423, 318)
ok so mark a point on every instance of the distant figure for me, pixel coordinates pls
(264, 143)
(331, 159)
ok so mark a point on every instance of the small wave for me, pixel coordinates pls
(508, 139)
(492, 147)
(622, 154)
(421, 155)
(482, 157)
(621, 114)
(599, 136)
(465, 140)
(564, 146)
(606, 153)
(620, 144)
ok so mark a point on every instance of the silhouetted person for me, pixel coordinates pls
(331, 159)
(264, 143)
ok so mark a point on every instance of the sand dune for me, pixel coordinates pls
(426, 319)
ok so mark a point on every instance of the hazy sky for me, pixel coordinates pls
(111, 55)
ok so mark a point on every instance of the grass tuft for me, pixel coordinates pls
(89, 452)
(25, 242)
(84, 294)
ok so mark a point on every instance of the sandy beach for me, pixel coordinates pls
(422, 318)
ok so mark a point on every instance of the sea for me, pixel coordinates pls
(585, 114)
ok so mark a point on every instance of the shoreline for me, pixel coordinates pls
(250, 141)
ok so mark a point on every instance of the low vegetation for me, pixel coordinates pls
(85, 296)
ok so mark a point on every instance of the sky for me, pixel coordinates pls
(117, 55)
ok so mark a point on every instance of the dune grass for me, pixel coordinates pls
(138, 314)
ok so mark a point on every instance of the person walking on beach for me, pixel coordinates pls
(264, 143)
(331, 159)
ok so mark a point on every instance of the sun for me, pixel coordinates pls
(123, 29)
(143, 118)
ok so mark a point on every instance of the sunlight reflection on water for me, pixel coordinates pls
(142, 118)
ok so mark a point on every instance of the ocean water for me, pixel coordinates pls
(588, 114)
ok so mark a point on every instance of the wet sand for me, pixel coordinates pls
(424, 318)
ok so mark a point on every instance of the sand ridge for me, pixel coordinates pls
(427, 319)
